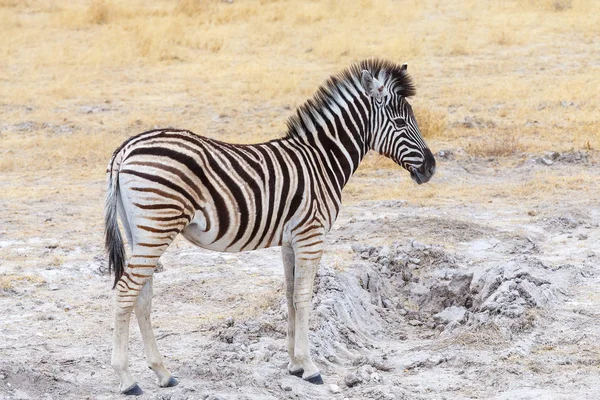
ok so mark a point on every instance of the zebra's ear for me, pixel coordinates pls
(372, 86)
(404, 67)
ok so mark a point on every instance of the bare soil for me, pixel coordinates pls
(494, 298)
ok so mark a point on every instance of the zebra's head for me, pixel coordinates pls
(394, 130)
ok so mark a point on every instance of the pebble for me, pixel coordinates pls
(415, 322)
(352, 379)
(286, 387)
(418, 245)
(333, 388)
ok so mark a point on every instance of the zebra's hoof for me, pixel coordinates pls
(315, 379)
(134, 390)
(172, 382)
(297, 372)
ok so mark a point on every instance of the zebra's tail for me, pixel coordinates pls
(113, 241)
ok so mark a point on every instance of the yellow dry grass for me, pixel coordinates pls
(78, 77)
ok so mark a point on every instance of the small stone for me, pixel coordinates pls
(450, 314)
(419, 246)
(333, 388)
(415, 322)
(546, 161)
(582, 236)
(532, 213)
(286, 387)
(352, 380)
(415, 260)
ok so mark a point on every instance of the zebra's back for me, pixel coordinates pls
(220, 196)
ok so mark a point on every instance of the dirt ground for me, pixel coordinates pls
(496, 299)
(482, 284)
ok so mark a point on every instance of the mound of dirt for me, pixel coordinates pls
(436, 289)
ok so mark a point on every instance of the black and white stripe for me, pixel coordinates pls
(286, 192)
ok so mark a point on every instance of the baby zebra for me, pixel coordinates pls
(232, 197)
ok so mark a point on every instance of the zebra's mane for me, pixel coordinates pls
(349, 80)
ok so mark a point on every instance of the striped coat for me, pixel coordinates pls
(231, 197)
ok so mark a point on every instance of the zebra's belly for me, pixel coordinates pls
(203, 234)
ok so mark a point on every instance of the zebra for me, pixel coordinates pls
(235, 197)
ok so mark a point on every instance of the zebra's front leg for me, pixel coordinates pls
(307, 260)
(143, 308)
(294, 366)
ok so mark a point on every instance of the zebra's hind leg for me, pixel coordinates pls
(127, 291)
(132, 285)
(143, 308)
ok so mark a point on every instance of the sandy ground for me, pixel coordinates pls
(493, 298)
(481, 284)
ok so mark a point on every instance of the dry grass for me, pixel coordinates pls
(8, 282)
(494, 144)
(433, 124)
(106, 70)
(99, 12)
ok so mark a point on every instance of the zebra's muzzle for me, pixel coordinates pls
(425, 171)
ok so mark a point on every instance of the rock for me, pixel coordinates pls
(419, 246)
(447, 332)
(546, 161)
(450, 314)
(510, 291)
(447, 288)
(574, 157)
(446, 154)
(333, 388)
(352, 379)
(286, 387)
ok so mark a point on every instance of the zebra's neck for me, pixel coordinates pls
(335, 126)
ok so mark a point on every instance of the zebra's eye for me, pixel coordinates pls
(400, 122)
